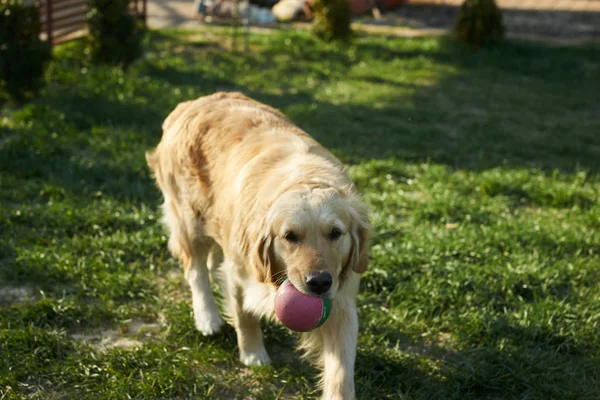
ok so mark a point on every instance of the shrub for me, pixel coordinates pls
(23, 56)
(479, 23)
(332, 19)
(115, 37)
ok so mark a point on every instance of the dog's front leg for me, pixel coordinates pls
(334, 344)
(247, 328)
(339, 339)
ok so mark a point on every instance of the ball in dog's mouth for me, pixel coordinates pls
(299, 311)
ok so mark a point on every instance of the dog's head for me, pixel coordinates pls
(314, 237)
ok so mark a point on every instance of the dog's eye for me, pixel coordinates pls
(291, 237)
(335, 234)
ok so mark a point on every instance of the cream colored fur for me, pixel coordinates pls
(237, 177)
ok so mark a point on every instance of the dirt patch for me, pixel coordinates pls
(438, 347)
(131, 335)
(10, 295)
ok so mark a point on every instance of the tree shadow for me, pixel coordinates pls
(511, 105)
(81, 173)
(519, 105)
(503, 360)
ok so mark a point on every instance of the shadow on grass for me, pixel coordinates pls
(528, 363)
(76, 172)
(519, 105)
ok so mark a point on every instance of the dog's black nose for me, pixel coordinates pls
(319, 283)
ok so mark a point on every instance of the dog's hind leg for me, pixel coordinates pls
(206, 313)
(192, 248)
(187, 239)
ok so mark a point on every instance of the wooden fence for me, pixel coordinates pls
(66, 19)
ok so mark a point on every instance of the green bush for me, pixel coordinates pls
(332, 19)
(23, 56)
(115, 36)
(479, 23)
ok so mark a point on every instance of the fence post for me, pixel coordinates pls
(49, 21)
(144, 7)
(74, 22)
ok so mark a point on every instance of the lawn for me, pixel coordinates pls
(482, 171)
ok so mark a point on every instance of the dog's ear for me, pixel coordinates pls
(263, 264)
(360, 233)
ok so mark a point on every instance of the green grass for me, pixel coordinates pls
(482, 171)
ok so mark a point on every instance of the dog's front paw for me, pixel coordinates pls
(255, 358)
(209, 324)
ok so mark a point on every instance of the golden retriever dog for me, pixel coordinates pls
(246, 189)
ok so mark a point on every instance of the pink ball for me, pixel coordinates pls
(298, 311)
